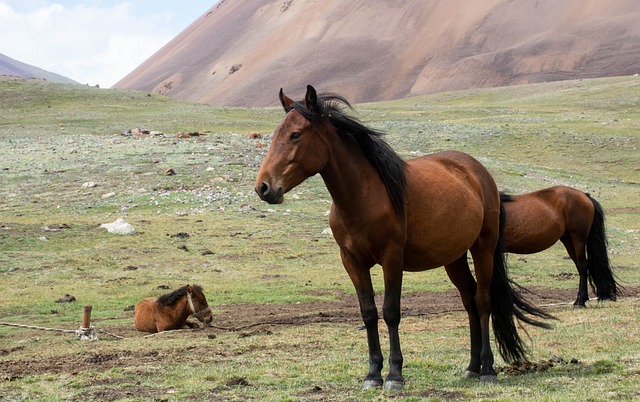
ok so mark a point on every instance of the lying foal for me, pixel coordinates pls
(171, 310)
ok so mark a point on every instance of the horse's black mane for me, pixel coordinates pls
(171, 298)
(504, 197)
(389, 164)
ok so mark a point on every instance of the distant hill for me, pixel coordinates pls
(9, 66)
(240, 53)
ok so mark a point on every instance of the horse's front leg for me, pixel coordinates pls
(361, 278)
(391, 314)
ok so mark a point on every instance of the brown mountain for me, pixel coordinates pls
(240, 53)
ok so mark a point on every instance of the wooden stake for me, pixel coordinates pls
(86, 317)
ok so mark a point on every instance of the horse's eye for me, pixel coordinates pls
(295, 135)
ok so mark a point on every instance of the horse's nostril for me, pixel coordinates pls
(264, 188)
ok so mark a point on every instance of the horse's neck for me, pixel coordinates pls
(185, 311)
(350, 177)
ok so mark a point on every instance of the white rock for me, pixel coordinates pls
(119, 226)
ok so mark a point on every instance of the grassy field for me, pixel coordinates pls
(67, 168)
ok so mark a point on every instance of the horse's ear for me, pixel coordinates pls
(285, 100)
(311, 99)
(189, 288)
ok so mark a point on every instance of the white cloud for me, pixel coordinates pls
(91, 44)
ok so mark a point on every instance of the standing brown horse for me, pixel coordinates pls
(410, 215)
(536, 221)
(171, 310)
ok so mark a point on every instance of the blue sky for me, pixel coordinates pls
(95, 41)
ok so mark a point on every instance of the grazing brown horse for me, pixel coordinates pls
(171, 310)
(536, 221)
(410, 215)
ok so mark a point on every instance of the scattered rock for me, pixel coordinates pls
(164, 287)
(89, 184)
(129, 308)
(108, 195)
(183, 247)
(169, 172)
(119, 226)
(207, 252)
(254, 136)
(246, 208)
(181, 235)
(66, 299)
(55, 228)
(236, 381)
(189, 134)
(130, 268)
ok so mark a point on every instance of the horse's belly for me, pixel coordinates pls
(529, 245)
(436, 255)
(446, 210)
(432, 244)
(530, 234)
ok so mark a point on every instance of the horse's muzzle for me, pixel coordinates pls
(269, 194)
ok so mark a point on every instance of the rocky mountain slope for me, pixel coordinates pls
(9, 66)
(240, 53)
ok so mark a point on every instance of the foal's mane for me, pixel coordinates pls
(171, 298)
(384, 159)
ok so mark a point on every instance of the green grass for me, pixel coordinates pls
(54, 138)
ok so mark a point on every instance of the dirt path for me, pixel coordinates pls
(252, 319)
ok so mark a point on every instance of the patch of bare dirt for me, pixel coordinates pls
(254, 320)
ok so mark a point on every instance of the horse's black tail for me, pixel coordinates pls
(599, 269)
(507, 303)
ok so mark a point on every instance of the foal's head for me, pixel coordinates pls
(196, 302)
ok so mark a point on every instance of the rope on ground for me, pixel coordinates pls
(81, 333)
(35, 327)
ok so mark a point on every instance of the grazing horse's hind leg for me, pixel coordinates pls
(577, 252)
(461, 277)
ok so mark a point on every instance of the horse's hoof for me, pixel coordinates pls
(471, 374)
(493, 378)
(393, 385)
(371, 384)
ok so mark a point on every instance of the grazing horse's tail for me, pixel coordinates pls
(506, 303)
(600, 274)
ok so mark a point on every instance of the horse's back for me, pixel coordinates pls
(536, 221)
(451, 199)
(143, 316)
(451, 172)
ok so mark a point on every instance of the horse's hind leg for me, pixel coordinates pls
(463, 280)
(577, 252)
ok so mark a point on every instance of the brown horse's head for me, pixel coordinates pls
(198, 304)
(298, 148)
